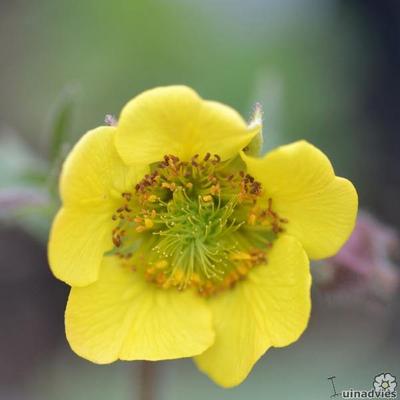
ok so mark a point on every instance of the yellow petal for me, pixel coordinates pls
(121, 316)
(78, 239)
(93, 172)
(270, 308)
(92, 181)
(175, 120)
(320, 207)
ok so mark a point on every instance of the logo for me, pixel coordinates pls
(385, 383)
(383, 387)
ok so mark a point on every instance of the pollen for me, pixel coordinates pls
(148, 223)
(252, 219)
(207, 198)
(201, 224)
(161, 264)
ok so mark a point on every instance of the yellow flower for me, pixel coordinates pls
(178, 243)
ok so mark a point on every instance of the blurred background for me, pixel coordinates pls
(326, 71)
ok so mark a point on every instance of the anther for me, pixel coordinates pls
(127, 196)
(148, 223)
(252, 219)
(152, 198)
(117, 241)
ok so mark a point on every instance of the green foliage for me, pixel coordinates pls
(61, 122)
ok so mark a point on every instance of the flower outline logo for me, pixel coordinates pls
(385, 382)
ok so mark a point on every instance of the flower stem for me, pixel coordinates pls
(147, 380)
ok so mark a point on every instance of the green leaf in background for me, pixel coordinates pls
(24, 197)
(61, 121)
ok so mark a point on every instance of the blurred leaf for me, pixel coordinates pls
(15, 198)
(36, 220)
(35, 177)
(19, 164)
(30, 208)
(61, 121)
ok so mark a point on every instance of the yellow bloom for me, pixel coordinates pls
(177, 243)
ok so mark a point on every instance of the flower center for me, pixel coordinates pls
(202, 223)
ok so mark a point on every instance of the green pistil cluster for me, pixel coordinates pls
(197, 223)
